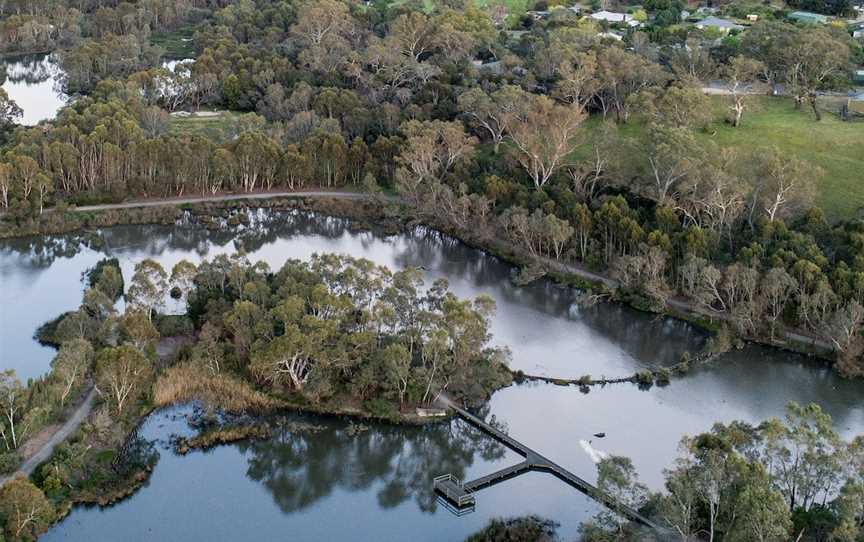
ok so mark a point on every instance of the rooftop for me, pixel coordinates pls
(717, 22)
(614, 17)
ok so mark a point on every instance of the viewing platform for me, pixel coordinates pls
(460, 499)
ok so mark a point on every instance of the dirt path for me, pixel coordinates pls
(48, 439)
(686, 307)
(60, 434)
(222, 197)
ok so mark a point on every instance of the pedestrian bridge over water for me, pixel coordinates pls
(460, 496)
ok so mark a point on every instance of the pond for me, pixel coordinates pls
(301, 484)
(33, 82)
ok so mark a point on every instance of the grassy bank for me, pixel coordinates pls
(185, 383)
(837, 147)
(222, 435)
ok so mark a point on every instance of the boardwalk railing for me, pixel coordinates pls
(446, 482)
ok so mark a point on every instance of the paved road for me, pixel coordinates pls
(226, 197)
(59, 436)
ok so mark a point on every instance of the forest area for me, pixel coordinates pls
(487, 132)
(546, 139)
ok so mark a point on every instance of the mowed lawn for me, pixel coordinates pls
(515, 8)
(835, 146)
(216, 125)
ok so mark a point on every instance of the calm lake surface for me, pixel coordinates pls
(32, 81)
(332, 484)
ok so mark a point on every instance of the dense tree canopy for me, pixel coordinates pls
(338, 326)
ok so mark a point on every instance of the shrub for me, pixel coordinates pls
(721, 342)
(381, 408)
(8, 462)
(533, 528)
(645, 378)
(171, 325)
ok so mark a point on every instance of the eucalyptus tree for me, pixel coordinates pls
(10, 112)
(13, 424)
(25, 509)
(543, 137)
(148, 287)
(122, 373)
(71, 365)
(741, 73)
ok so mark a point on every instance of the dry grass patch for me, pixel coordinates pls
(187, 382)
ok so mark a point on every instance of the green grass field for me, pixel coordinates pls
(835, 146)
(218, 127)
(515, 8)
(177, 44)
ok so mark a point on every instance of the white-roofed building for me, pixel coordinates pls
(612, 17)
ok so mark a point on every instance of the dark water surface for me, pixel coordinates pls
(376, 485)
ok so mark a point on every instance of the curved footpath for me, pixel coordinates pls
(224, 197)
(62, 433)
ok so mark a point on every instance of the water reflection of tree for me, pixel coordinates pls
(40, 252)
(31, 69)
(302, 467)
(648, 339)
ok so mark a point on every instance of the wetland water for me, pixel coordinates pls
(32, 81)
(332, 484)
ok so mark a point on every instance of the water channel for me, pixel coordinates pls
(333, 484)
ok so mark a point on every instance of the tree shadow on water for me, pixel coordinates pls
(301, 467)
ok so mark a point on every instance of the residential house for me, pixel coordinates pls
(718, 24)
(612, 17)
(538, 15)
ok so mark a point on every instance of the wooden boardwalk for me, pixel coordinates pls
(464, 492)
